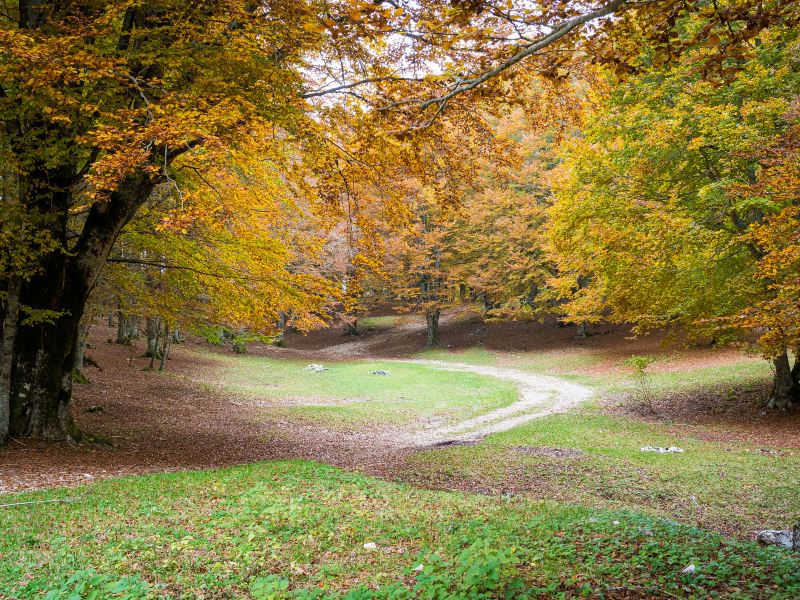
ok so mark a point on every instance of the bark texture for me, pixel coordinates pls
(9, 324)
(786, 388)
(44, 351)
(432, 327)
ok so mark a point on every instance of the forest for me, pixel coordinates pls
(446, 245)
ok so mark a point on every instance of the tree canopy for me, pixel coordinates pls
(248, 162)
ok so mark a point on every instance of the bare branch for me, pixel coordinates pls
(347, 86)
(558, 32)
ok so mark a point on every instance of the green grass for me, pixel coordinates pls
(384, 322)
(744, 373)
(475, 355)
(297, 530)
(348, 394)
(577, 365)
(726, 486)
(729, 487)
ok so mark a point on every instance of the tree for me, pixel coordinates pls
(99, 106)
(495, 239)
(667, 211)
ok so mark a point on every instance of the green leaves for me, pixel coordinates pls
(659, 201)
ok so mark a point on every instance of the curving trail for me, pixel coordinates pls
(539, 396)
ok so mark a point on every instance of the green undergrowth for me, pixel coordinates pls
(349, 394)
(298, 530)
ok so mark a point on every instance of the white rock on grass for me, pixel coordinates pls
(370, 546)
(660, 450)
(315, 368)
(419, 568)
(688, 569)
(776, 537)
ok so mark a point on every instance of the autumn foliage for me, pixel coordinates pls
(254, 165)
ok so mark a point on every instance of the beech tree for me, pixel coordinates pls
(495, 238)
(675, 205)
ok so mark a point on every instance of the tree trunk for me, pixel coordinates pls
(165, 348)
(281, 337)
(80, 349)
(127, 328)
(123, 329)
(155, 344)
(10, 318)
(785, 389)
(583, 330)
(488, 304)
(44, 351)
(351, 326)
(153, 326)
(432, 329)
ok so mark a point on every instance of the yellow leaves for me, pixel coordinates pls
(313, 27)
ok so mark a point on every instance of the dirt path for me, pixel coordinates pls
(362, 346)
(539, 396)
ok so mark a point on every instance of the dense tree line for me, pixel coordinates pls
(213, 152)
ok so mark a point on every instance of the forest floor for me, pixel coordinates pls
(513, 410)
(212, 409)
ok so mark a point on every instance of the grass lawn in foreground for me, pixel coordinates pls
(298, 530)
(732, 487)
(348, 394)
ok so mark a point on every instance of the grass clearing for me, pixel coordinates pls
(475, 355)
(349, 394)
(582, 365)
(728, 487)
(382, 322)
(297, 530)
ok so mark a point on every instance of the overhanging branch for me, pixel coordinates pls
(526, 51)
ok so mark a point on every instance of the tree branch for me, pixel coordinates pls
(464, 86)
(347, 86)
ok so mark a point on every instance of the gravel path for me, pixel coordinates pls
(539, 396)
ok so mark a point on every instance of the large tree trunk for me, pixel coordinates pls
(127, 328)
(42, 379)
(432, 327)
(44, 351)
(785, 389)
